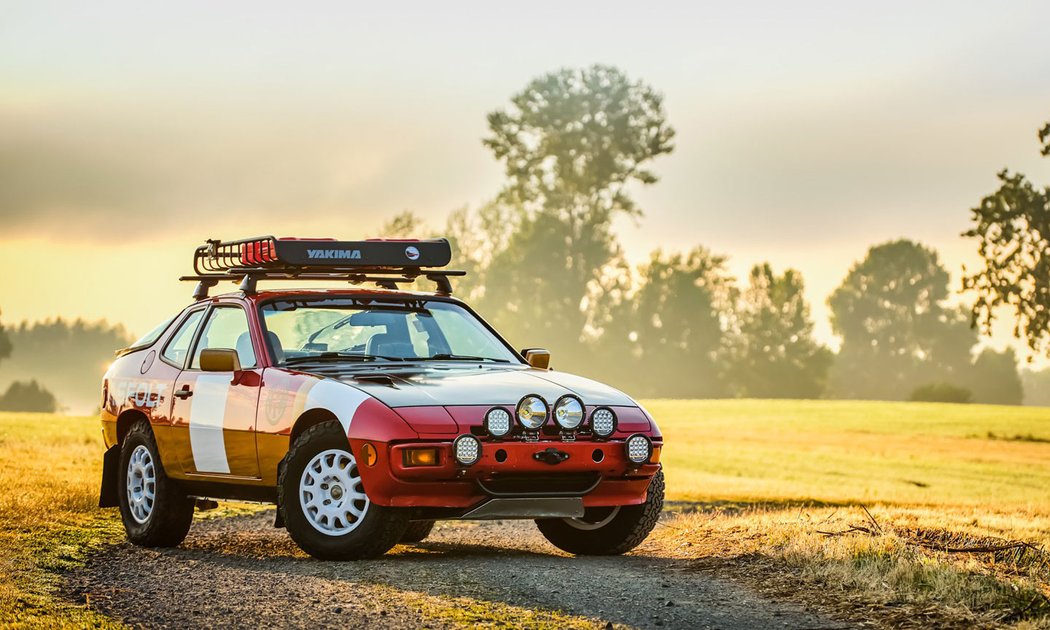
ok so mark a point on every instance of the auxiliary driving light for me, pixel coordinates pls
(497, 422)
(568, 412)
(603, 422)
(466, 449)
(532, 412)
(639, 448)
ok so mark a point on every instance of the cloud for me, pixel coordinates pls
(102, 171)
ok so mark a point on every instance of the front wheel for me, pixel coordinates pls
(324, 504)
(607, 530)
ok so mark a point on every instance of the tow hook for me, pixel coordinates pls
(550, 456)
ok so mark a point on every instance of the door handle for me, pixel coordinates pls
(183, 393)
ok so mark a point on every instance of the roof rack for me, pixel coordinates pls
(386, 262)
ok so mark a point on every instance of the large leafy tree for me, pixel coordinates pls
(772, 353)
(1012, 228)
(897, 330)
(571, 143)
(676, 317)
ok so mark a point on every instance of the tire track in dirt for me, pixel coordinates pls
(241, 572)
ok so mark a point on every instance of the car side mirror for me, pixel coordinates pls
(538, 358)
(220, 360)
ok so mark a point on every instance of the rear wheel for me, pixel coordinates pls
(607, 530)
(324, 504)
(417, 531)
(153, 509)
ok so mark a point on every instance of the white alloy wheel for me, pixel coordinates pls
(142, 484)
(331, 494)
(588, 525)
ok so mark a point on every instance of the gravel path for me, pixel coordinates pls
(241, 572)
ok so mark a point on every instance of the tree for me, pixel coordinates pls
(772, 353)
(1036, 387)
(897, 330)
(994, 378)
(942, 393)
(571, 144)
(677, 319)
(405, 224)
(5, 343)
(1012, 228)
(28, 396)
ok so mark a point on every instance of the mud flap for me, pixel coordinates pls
(278, 519)
(108, 494)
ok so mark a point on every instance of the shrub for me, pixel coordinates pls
(28, 396)
(941, 392)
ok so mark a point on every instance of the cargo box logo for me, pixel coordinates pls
(334, 253)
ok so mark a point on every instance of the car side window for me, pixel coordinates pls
(226, 328)
(179, 344)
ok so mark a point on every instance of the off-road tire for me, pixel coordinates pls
(380, 528)
(624, 532)
(417, 531)
(169, 520)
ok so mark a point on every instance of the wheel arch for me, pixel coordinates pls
(126, 420)
(309, 418)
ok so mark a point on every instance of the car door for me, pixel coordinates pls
(214, 412)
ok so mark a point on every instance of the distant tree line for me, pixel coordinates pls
(60, 356)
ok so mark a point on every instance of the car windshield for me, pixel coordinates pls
(361, 329)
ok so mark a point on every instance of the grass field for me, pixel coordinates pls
(784, 481)
(830, 451)
(754, 480)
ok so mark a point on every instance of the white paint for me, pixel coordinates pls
(207, 412)
(339, 398)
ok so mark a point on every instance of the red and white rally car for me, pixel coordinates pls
(365, 413)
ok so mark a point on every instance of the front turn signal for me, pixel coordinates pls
(369, 455)
(420, 457)
(655, 457)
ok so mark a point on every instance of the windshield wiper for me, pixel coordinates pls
(462, 357)
(341, 356)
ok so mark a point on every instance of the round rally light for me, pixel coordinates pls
(466, 449)
(568, 412)
(639, 448)
(532, 412)
(497, 422)
(603, 422)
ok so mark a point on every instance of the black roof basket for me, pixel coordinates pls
(386, 262)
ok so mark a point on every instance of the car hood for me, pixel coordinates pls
(450, 385)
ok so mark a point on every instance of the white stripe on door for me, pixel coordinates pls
(207, 412)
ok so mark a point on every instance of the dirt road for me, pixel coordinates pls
(241, 572)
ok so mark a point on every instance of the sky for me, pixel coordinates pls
(806, 132)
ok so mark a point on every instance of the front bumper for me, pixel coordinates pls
(595, 474)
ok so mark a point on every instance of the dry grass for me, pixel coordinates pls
(762, 480)
(49, 519)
